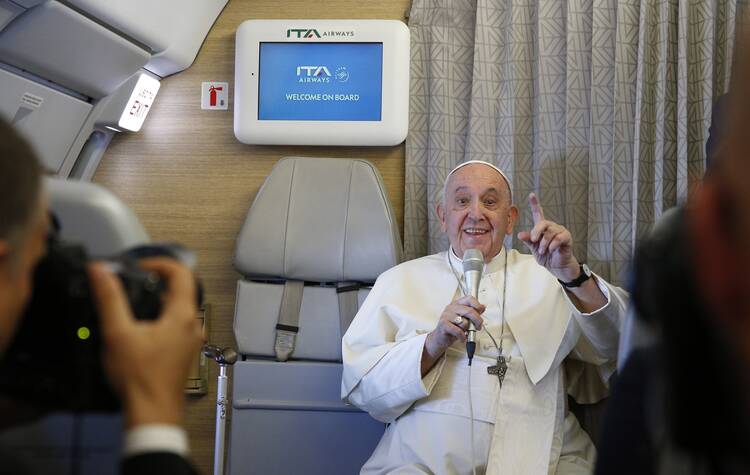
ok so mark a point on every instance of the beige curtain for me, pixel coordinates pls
(601, 107)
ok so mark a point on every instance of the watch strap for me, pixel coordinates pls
(582, 277)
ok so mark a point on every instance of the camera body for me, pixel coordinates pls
(55, 359)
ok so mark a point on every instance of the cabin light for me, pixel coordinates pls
(137, 107)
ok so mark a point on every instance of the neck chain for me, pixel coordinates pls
(464, 290)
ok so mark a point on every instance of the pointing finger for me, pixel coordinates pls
(536, 208)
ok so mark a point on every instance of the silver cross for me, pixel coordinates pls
(499, 369)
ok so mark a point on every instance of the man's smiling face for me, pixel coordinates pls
(476, 211)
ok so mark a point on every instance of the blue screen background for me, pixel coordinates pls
(340, 81)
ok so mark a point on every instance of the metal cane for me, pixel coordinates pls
(223, 357)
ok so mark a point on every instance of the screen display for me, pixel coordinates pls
(320, 81)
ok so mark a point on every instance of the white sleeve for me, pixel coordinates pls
(602, 327)
(155, 438)
(597, 345)
(395, 382)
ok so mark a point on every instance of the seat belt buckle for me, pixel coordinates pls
(286, 337)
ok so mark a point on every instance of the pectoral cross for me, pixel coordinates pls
(499, 369)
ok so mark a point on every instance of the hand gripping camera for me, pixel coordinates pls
(55, 359)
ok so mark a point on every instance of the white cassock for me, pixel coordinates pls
(523, 427)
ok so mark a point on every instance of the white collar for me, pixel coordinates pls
(495, 265)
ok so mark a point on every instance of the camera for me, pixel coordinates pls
(55, 359)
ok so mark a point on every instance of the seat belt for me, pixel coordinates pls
(287, 325)
(348, 303)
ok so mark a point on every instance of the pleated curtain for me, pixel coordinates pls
(601, 107)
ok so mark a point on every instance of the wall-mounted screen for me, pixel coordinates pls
(320, 81)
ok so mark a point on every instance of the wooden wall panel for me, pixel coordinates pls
(189, 180)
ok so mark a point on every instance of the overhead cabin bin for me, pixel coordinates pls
(146, 22)
(8, 11)
(173, 30)
(49, 119)
(27, 3)
(65, 47)
(92, 46)
(91, 56)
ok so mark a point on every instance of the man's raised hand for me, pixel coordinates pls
(550, 243)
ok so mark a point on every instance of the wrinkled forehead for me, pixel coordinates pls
(480, 166)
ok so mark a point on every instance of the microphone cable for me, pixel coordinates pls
(471, 408)
(472, 345)
(471, 428)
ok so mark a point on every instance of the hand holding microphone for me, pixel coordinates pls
(458, 317)
(473, 264)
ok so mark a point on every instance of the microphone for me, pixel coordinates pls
(473, 264)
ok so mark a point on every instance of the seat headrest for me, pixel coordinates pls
(320, 220)
(92, 216)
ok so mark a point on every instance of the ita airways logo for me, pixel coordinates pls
(215, 95)
(313, 74)
(313, 34)
(300, 33)
(341, 75)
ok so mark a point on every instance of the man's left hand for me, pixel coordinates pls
(551, 244)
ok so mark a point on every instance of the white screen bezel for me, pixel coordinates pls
(390, 130)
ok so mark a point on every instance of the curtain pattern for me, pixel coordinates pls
(601, 107)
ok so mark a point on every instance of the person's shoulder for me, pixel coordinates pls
(414, 280)
(520, 260)
(420, 266)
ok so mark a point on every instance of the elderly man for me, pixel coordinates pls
(541, 317)
(147, 362)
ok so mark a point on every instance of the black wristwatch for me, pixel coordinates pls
(585, 275)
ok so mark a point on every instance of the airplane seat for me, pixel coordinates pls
(93, 217)
(316, 237)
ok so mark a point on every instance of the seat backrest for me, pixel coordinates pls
(318, 220)
(324, 222)
(94, 217)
